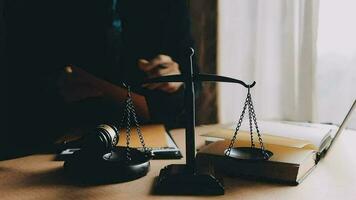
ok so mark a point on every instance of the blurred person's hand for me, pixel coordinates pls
(75, 84)
(161, 65)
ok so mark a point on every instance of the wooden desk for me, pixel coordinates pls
(39, 177)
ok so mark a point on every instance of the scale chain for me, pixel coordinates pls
(128, 128)
(138, 129)
(233, 140)
(128, 114)
(250, 118)
(257, 129)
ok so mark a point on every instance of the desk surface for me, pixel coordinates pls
(39, 177)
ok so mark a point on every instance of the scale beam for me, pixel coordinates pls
(197, 78)
(216, 78)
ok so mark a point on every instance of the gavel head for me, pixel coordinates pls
(100, 140)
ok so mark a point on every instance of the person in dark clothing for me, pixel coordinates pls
(109, 42)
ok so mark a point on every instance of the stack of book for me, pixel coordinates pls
(297, 147)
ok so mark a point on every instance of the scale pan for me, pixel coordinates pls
(112, 167)
(249, 153)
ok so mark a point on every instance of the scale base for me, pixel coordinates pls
(107, 168)
(179, 180)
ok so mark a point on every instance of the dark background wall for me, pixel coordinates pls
(204, 28)
(2, 32)
(3, 68)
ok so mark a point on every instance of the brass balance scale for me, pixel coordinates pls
(121, 164)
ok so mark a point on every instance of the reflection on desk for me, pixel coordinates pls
(39, 177)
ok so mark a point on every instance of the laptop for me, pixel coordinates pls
(339, 130)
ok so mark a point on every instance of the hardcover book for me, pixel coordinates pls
(297, 147)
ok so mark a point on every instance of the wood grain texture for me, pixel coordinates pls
(39, 177)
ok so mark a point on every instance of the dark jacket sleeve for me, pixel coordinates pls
(164, 107)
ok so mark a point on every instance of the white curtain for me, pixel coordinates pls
(336, 61)
(274, 43)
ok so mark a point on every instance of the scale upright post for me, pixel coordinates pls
(184, 178)
(190, 117)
